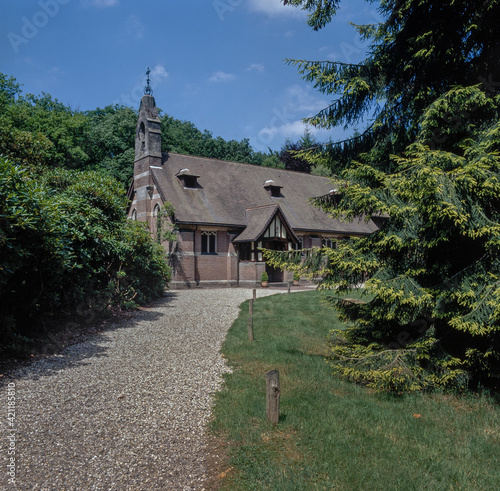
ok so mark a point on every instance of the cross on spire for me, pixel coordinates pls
(148, 90)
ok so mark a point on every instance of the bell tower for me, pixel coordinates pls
(143, 193)
(147, 132)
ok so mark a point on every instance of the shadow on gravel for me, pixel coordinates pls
(72, 343)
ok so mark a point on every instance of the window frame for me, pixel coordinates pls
(330, 242)
(209, 242)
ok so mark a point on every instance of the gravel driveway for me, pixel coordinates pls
(126, 409)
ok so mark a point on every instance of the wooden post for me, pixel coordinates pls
(250, 307)
(254, 294)
(289, 284)
(273, 396)
(250, 329)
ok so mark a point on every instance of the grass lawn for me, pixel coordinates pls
(333, 434)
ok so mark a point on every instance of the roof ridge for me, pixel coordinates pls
(271, 169)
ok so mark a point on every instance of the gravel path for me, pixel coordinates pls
(125, 409)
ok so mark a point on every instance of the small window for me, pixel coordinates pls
(133, 215)
(209, 242)
(300, 244)
(156, 210)
(273, 189)
(249, 251)
(189, 181)
(142, 131)
(245, 251)
(328, 242)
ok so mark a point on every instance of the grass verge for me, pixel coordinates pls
(336, 435)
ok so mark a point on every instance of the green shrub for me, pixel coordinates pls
(65, 244)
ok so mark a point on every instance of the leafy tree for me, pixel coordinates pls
(183, 137)
(41, 131)
(66, 244)
(48, 118)
(414, 56)
(15, 142)
(111, 141)
(273, 160)
(431, 317)
(301, 156)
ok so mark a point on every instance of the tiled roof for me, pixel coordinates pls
(225, 190)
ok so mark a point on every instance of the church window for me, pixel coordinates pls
(249, 251)
(133, 215)
(300, 244)
(273, 189)
(276, 229)
(328, 242)
(209, 242)
(188, 179)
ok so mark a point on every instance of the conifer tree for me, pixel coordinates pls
(420, 50)
(428, 172)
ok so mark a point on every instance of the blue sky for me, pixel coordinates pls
(216, 63)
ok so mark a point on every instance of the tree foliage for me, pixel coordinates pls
(429, 175)
(41, 131)
(66, 244)
(413, 58)
(183, 137)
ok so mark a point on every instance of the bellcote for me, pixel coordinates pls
(147, 132)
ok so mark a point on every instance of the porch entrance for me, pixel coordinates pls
(275, 275)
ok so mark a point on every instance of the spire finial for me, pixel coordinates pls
(148, 90)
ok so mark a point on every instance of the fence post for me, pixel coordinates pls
(250, 307)
(254, 294)
(250, 329)
(273, 396)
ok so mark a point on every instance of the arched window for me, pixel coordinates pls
(209, 242)
(133, 215)
(156, 210)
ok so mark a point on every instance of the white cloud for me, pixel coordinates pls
(274, 8)
(222, 77)
(292, 129)
(158, 74)
(285, 121)
(255, 67)
(328, 53)
(302, 101)
(135, 27)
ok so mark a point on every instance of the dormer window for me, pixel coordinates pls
(273, 189)
(188, 179)
(335, 196)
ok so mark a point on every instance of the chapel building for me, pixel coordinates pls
(226, 211)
